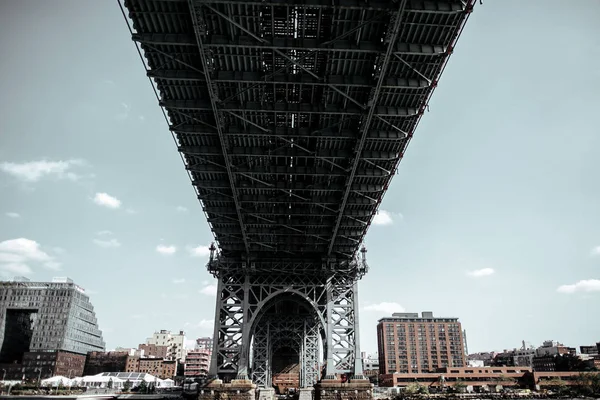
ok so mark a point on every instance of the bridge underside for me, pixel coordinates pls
(291, 119)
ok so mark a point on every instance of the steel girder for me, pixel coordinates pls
(307, 104)
(301, 333)
(243, 302)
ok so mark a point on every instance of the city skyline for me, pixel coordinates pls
(492, 217)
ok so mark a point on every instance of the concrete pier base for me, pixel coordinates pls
(306, 393)
(336, 390)
(266, 394)
(238, 389)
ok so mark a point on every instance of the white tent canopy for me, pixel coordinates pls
(57, 380)
(99, 381)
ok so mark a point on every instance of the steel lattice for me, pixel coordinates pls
(291, 119)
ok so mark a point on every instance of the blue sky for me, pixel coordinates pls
(493, 217)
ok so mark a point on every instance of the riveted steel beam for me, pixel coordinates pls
(394, 31)
(199, 33)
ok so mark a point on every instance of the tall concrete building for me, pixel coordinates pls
(408, 343)
(39, 318)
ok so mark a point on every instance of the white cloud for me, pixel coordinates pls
(385, 307)
(16, 269)
(53, 265)
(107, 243)
(182, 209)
(190, 344)
(200, 251)
(162, 249)
(106, 200)
(209, 290)
(11, 258)
(206, 323)
(13, 215)
(586, 285)
(104, 233)
(124, 113)
(596, 251)
(478, 273)
(29, 249)
(177, 281)
(383, 218)
(16, 253)
(58, 250)
(35, 170)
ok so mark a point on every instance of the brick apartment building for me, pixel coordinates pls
(121, 361)
(109, 361)
(161, 368)
(411, 344)
(153, 350)
(51, 363)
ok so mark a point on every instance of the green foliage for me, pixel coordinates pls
(110, 383)
(588, 383)
(415, 388)
(460, 386)
(127, 385)
(143, 388)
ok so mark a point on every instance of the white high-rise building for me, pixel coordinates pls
(175, 343)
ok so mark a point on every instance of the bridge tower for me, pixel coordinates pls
(266, 305)
(291, 118)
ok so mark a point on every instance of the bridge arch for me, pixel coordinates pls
(286, 319)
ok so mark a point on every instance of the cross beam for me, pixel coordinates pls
(367, 122)
(198, 29)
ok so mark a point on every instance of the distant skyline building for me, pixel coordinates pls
(174, 343)
(38, 318)
(204, 343)
(408, 343)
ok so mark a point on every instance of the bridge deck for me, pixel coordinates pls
(292, 119)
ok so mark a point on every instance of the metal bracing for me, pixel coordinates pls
(199, 29)
(246, 299)
(299, 332)
(291, 119)
(366, 122)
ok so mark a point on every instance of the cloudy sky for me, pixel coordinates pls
(494, 216)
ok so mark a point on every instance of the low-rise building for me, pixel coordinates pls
(164, 369)
(482, 359)
(591, 350)
(197, 363)
(174, 342)
(109, 361)
(153, 350)
(51, 363)
(486, 377)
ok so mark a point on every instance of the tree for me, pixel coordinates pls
(460, 386)
(558, 385)
(110, 383)
(127, 385)
(588, 384)
(415, 388)
(569, 362)
(143, 388)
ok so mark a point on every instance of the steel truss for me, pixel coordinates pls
(273, 332)
(243, 300)
(307, 104)
(291, 119)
